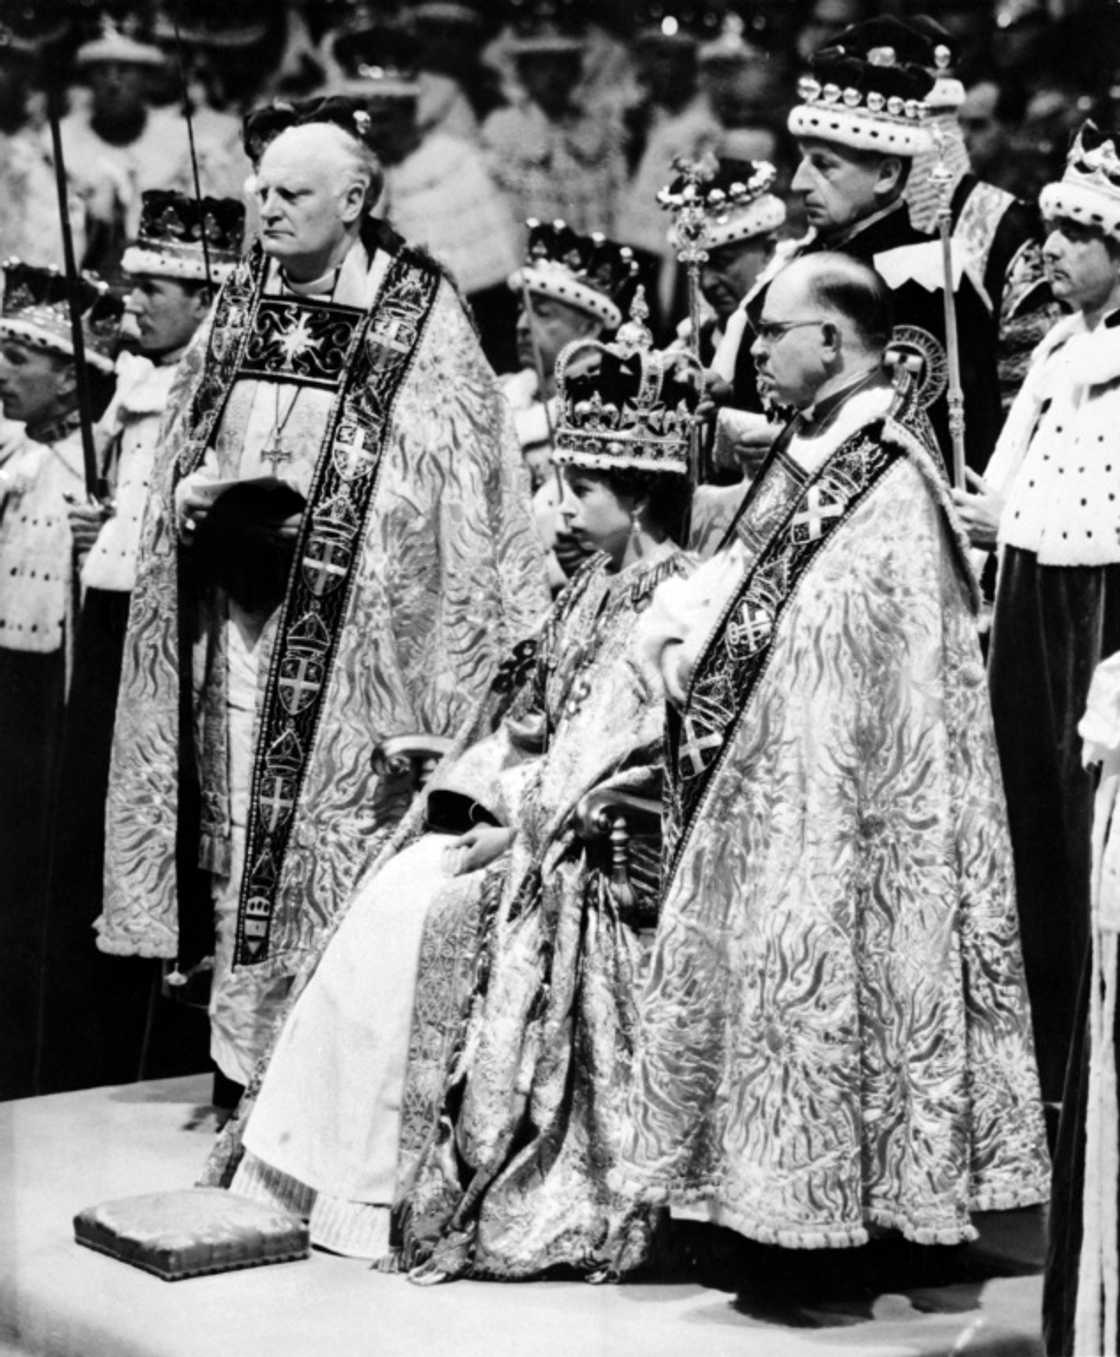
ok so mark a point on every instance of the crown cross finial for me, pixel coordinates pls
(634, 335)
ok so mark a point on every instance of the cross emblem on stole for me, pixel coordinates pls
(696, 748)
(301, 677)
(809, 524)
(276, 799)
(750, 631)
(387, 333)
(350, 454)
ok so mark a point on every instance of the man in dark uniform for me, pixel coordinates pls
(1000, 235)
(861, 122)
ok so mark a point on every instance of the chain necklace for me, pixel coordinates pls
(276, 452)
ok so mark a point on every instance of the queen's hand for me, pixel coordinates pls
(475, 849)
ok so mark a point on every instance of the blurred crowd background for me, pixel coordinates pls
(492, 111)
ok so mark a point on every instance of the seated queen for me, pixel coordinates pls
(461, 1049)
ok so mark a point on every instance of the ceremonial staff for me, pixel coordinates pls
(696, 203)
(943, 178)
(188, 116)
(538, 363)
(686, 201)
(96, 488)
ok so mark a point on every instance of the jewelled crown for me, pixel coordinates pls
(592, 273)
(29, 27)
(1089, 189)
(624, 405)
(36, 310)
(447, 12)
(379, 60)
(722, 198)
(937, 54)
(124, 40)
(730, 46)
(545, 26)
(868, 90)
(172, 227)
(213, 23)
(681, 25)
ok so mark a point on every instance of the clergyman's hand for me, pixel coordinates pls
(477, 848)
(194, 498)
(289, 529)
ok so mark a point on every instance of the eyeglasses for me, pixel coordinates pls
(770, 331)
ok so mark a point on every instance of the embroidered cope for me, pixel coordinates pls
(862, 1054)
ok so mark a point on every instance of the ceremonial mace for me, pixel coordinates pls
(687, 205)
(943, 178)
(538, 363)
(96, 488)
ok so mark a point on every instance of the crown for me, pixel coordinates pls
(730, 46)
(29, 26)
(172, 229)
(120, 40)
(447, 12)
(212, 23)
(545, 26)
(36, 310)
(936, 52)
(680, 24)
(592, 273)
(625, 405)
(716, 201)
(867, 90)
(1089, 190)
(379, 60)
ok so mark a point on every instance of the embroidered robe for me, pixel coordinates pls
(835, 1034)
(414, 569)
(526, 977)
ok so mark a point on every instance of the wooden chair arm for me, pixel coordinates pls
(413, 755)
(598, 814)
(614, 820)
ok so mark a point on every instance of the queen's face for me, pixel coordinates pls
(594, 514)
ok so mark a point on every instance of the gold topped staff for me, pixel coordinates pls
(686, 200)
(697, 203)
(943, 178)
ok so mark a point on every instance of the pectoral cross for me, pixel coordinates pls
(275, 454)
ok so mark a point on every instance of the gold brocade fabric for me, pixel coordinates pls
(505, 1155)
(836, 1034)
(447, 578)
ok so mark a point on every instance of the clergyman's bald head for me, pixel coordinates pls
(322, 147)
(314, 189)
(845, 287)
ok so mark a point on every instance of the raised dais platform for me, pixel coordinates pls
(64, 1152)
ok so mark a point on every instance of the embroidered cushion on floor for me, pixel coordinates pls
(192, 1232)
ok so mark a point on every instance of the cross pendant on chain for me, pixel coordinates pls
(276, 455)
